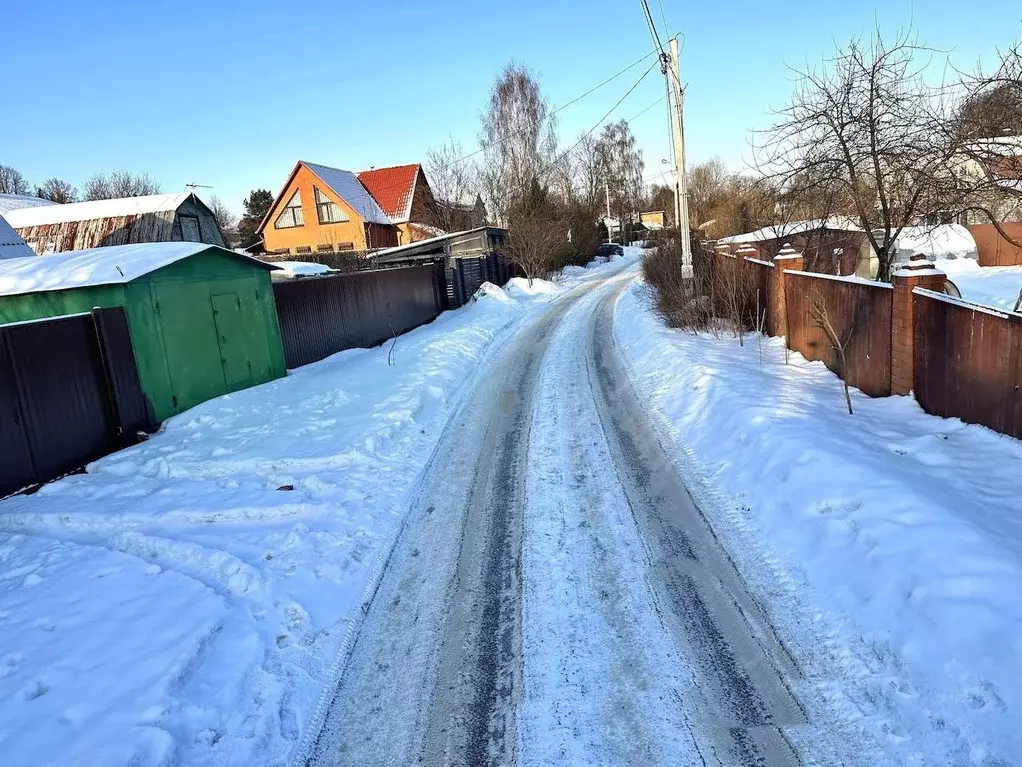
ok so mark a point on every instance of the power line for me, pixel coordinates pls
(463, 158)
(589, 132)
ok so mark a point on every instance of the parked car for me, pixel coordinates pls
(608, 250)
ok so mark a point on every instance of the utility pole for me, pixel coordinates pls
(680, 175)
(606, 187)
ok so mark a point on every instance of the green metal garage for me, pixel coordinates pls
(202, 319)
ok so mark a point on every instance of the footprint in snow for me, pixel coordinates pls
(37, 688)
(32, 579)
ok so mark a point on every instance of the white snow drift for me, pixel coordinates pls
(887, 544)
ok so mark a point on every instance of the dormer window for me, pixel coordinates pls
(329, 211)
(291, 216)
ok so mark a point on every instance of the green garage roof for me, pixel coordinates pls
(115, 265)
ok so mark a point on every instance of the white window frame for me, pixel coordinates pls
(291, 216)
(335, 214)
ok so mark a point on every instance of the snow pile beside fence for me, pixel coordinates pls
(888, 542)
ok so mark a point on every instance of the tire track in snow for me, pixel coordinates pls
(435, 674)
(740, 664)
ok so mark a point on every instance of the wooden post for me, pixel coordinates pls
(787, 258)
(919, 273)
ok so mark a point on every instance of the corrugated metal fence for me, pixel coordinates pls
(69, 393)
(325, 315)
(968, 362)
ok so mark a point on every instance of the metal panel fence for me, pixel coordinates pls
(69, 393)
(325, 315)
(968, 362)
(860, 315)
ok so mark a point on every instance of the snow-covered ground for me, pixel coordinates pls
(188, 599)
(886, 544)
(996, 286)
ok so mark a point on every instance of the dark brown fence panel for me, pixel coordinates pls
(61, 391)
(131, 410)
(860, 314)
(968, 362)
(325, 315)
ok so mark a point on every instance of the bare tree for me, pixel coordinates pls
(12, 182)
(57, 190)
(868, 128)
(225, 219)
(517, 137)
(120, 183)
(821, 316)
(622, 166)
(454, 183)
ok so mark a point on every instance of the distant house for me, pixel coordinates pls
(323, 209)
(462, 216)
(11, 244)
(180, 217)
(831, 246)
(653, 219)
(9, 202)
(404, 195)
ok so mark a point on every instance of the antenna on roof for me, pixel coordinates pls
(199, 186)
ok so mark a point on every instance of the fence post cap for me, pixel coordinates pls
(919, 266)
(746, 248)
(787, 251)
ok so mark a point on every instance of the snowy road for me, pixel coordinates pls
(555, 595)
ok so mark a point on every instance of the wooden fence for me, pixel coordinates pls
(961, 360)
(69, 393)
(994, 250)
(860, 316)
(968, 362)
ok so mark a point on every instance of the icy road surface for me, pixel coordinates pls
(555, 595)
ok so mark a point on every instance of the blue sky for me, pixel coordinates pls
(231, 94)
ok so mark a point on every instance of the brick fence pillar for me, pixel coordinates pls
(786, 258)
(919, 273)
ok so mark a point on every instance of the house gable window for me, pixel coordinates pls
(291, 216)
(329, 212)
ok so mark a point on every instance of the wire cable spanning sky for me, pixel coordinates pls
(231, 95)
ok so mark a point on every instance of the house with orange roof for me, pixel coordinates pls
(404, 194)
(327, 210)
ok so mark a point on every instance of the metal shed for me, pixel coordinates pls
(101, 223)
(202, 319)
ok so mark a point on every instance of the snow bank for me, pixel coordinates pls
(189, 599)
(519, 288)
(887, 544)
(996, 286)
(292, 269)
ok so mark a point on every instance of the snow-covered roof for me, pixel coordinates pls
(86, 211)
(425, 243)
(115, 265)
(9, 202)
(290, 269)
(780, 231)
(346, 186)
(11, 244)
